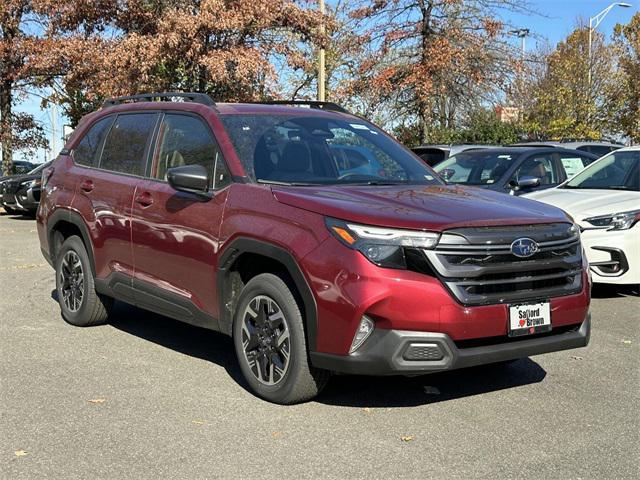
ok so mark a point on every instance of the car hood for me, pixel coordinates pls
(583, 203)
(21, 178)
(435, 207)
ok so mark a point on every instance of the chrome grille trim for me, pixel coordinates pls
(478, 270)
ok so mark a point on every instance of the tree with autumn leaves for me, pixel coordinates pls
(434, 59)
(431, 70)
(86, 50)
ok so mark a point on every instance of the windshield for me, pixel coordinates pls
(619, 170)
(39, 168)
(319, 150)
(20, 168)
(483, 167)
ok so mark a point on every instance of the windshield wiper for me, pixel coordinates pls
(373, 183)
(286, 184)
(620, 187)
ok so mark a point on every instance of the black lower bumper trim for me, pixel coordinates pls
(384, 352)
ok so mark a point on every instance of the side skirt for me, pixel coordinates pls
(155, 299)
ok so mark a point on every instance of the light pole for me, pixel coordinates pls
(522, 34)
(593, 24)
(321, 62)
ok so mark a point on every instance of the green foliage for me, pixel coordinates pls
(482, 127)
(561, 102)
(627, 113)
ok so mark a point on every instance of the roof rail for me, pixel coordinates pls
(330, 106)
(202, 98)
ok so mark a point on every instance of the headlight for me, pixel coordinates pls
(382, 246)
(617, 221)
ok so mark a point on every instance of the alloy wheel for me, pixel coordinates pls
(265, 340)
(72, 281)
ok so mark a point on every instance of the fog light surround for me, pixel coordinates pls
(365, 329)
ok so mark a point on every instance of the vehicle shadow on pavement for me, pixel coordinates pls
(342, 390)
(17, 216)
(360, 391)
(601, 290)
(178, 336)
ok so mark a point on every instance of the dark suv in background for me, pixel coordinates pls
(21, 193)
(514, 170)
(249, 219)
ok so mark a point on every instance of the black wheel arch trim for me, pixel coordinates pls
(243, 245)
(69, 216)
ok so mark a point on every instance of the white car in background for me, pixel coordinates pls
(604, 200)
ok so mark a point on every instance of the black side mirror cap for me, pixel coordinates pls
(189, 178)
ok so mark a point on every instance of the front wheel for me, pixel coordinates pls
(269, 339)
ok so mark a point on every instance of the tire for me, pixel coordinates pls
(10, 211)
(280, 342)
(80, 304)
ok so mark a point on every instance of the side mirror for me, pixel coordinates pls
(189, 178)
(447, 173)
(524, 183)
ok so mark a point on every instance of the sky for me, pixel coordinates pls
(552, 21)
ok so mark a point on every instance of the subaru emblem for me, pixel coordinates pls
(524, 247)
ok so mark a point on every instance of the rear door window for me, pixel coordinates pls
(125, 150)
(573, 163)
(88, 150)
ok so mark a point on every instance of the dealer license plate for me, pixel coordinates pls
(530, 318)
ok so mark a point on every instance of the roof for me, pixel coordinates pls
(266, 108)
(515, 150)
(569, 144)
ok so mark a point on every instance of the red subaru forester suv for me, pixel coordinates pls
(312, 238)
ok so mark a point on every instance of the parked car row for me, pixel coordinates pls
(434, 154)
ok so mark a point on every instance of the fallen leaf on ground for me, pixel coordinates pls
(97, 400)
(407, 438)
(576, 357)
(198, 422)
(276, 434)
(626, 341)
(21, 453)
(431, 390)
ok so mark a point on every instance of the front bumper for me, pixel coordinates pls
(398, 352)
(25, 199)
(614, 256)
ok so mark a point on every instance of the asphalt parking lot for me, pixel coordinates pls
(148, 397)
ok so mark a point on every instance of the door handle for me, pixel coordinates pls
(86, 186)
(144, 199)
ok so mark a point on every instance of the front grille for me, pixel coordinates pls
(477, 265)
(11, 187)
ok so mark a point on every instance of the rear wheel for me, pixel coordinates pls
(270, 344)
(11, 211)
(80, 304)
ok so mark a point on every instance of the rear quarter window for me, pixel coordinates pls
(88, 150)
